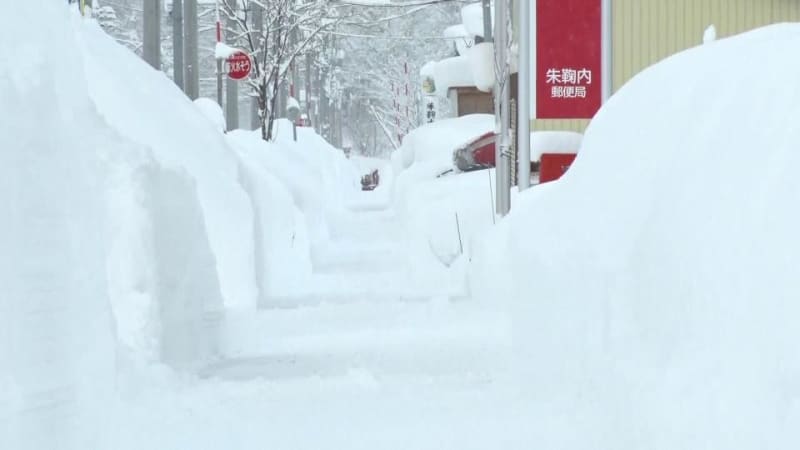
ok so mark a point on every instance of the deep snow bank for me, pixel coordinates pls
(294, 188)
(656, 284)
(443, 215)
(428, 150)
(57, 344)
(147, 108)
(315, 174)
(282, 241)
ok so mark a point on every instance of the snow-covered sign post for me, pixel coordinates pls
(275, 33)
(569, 58)
(293, 114)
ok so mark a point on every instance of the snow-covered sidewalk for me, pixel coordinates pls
(352, 363)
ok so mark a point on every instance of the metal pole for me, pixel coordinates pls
(151, 29)
(258, 26)
(232, 86)
(308, 81)
(502, 100)
(487, 21)
(524, 83)
(607, 49)
(191, 53)
(177, 43)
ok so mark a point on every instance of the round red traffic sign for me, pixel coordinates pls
(239, 65)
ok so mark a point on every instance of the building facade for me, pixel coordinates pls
(644, 32)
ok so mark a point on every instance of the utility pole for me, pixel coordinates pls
(502, 95)
(177, 42)
(151, 29)
(232, 87)
(219, 61)
(487, 21)
(258, 26)
(524, 106)
(308, 82)
(295, 85)
(607, 48)
(192, 80)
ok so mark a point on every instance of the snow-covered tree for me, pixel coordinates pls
(277, 33)
(378, 80)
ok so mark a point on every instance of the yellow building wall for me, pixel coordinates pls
(647, 31)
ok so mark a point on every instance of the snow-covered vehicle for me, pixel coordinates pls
(476, 154)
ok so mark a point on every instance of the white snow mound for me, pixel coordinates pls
(656, 284)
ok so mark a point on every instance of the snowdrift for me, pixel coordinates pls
(655, 286)
(429, 205)
(317, 175)
(428, 150)
(130, 224)
(147, 108)
(57, 344)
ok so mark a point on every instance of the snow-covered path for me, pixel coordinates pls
(355, 362)
(361, 314)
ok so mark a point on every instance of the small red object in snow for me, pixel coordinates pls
(553, 165)
(239, 65)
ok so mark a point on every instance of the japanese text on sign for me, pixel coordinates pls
(239, 66)
(567, 82)
(569, 75)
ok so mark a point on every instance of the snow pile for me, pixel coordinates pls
(710, 35)
(259, 206)
(317, 175)
(428, 150)
(287, 208)
(655, 285)
(57, 346)
(212, 111)
(294, 187)
(452, 73)
(123, 89)
(481, 60)
(461, 39)
(554, 142)
(472, 18)
(428, 205)
(333, 173)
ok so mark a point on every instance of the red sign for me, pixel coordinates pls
(239, 65)
(568, 58)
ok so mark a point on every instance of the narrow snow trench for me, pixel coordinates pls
(361, 314)
(355, 362)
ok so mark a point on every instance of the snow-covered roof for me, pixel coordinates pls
(427, 69)
(452, 72)
(481, 60)
(472, 17)
(558, 142)
(460, 37)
